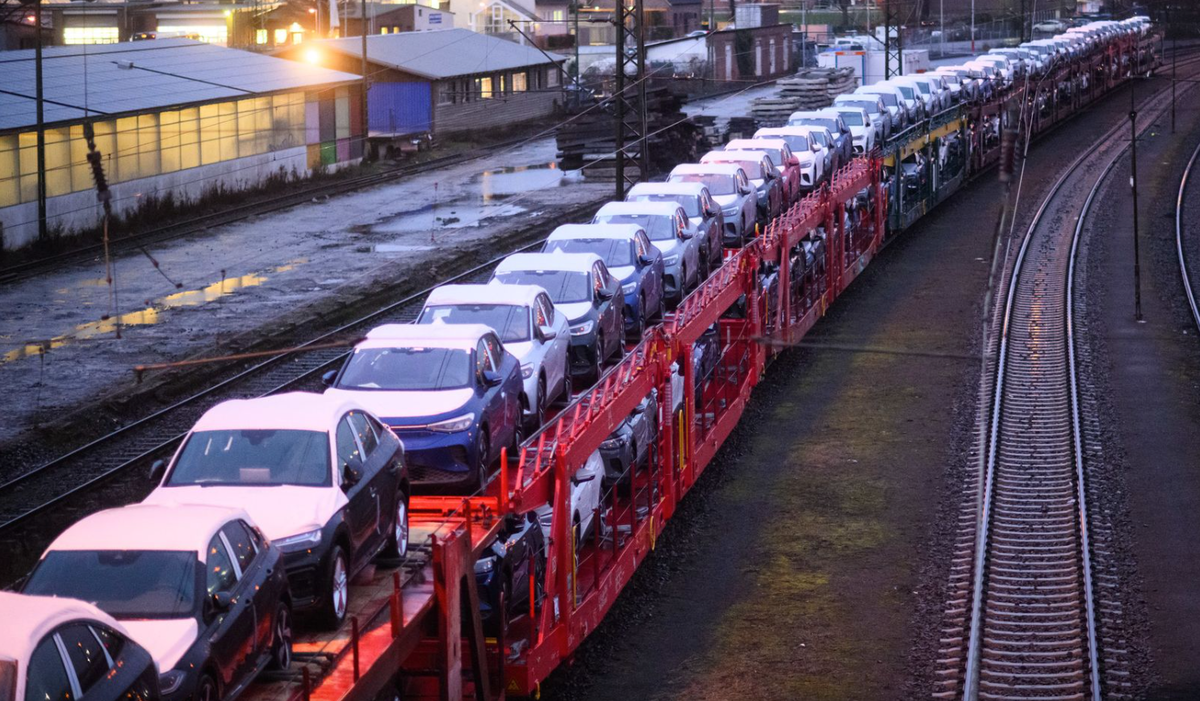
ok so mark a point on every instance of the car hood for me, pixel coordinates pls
(575, 311)
(520, 350)
(858, 131)
(758, 183)
(668, 247)
(166, 640)
(279, 511)
(725, 200)
(406, 405)
(624, 273)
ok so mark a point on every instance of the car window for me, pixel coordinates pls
(378, 427)
(85, 654)
(684, 222)
(483, 361)
(112, 641)
(45, 676)
(495, 350)
(638, 246)
(539, 312)
(241, 543)
(219, 567)
(366, 435)
(510, 320)
(141, 584)
(250, 457)
(347, 447)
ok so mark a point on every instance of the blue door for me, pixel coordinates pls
(399, 108)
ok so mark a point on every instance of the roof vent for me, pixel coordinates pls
(125, 65)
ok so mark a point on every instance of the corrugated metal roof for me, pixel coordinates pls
(164, 73)
(441, 53)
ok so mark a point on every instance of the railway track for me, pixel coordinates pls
(228, 215)
(1189, 288)
(50, 484)
(1028, 617)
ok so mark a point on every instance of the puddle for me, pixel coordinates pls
(397, 248)
(450, 215)
(152, 314)
(514, 180)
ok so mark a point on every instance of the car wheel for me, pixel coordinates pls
(483, 447)
(206, 689)
(639, 322)
(518, 438)
(598, 358)
(539, 409)
(567, 387)
(337, 594)
(397, 547)
(281, 648)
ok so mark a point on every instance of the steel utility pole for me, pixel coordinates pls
(631, 102)
(972, 26)
(1137, 260)
(366, 120)
(43, 229)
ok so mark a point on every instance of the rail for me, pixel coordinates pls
(1188, 289)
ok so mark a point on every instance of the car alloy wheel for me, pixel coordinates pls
(567, 387)
(483, 448)
(639, 323)
(281, 652)
(206, 689)
(598, 358)
(337, 596)
(401, 529)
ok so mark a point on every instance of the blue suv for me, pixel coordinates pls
(629, 257)
(449, 391)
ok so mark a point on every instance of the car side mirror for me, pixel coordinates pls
(603, 295)
(548, 333)
(328, 378)
(816, 148)
(222, 601)
(577, 479)
(793, 161)
(158, 468)
(351, 474)
(645, 259)
(491, 378)
(686, 235)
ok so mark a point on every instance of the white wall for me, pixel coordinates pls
(79, 210)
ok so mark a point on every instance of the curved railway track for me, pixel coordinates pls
(51, 483)
(1189, 288)
(1036, 622)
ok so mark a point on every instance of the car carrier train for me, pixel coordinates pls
(454, 516)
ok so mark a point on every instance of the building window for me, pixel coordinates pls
(500, 91)
(383, 30)
(520, 82)
(260, 36)
(207, 33)
(552, 77)
(484, 87)
(557, 16)
(91, 35)
(281, 36)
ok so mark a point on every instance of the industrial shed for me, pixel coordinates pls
(171, 117)
(443, 81)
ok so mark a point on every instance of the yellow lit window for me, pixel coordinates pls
(519, 82)
(189, 138)
(281, 36)
(9, 180)
(168, 131)
(485, 88)
(383, 30)
(148, 144)
(91, 35)
(227, 120)
(260, 36)
(127, 150)
(210, 134)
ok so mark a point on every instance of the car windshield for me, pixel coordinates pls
(888, 98)
(413, 369)
(830, 124)
(252, 458)
(563, 286)
(907, 92)
(753, 168)
(690, 203)
(798, 144)
(819, 137)
(870, 106)
(126, 584)
(716, 183)
(614, 252)
(852, 118)
(924, 88)
(657, 226)
(511, 321)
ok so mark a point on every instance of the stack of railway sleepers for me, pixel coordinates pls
(589, 142)
(810, 89)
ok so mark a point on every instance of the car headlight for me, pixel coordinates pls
(611, 444)
(458, 423)
(730, 211)
(860, 137)
(298, 542)
(627, 288)
(584, 328)
(170, 681)
(527, 371)
(485, 565)
(671, 260)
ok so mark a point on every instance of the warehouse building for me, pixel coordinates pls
(172, 118)
(443, 81)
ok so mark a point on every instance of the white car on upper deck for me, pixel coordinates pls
(529, 327)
